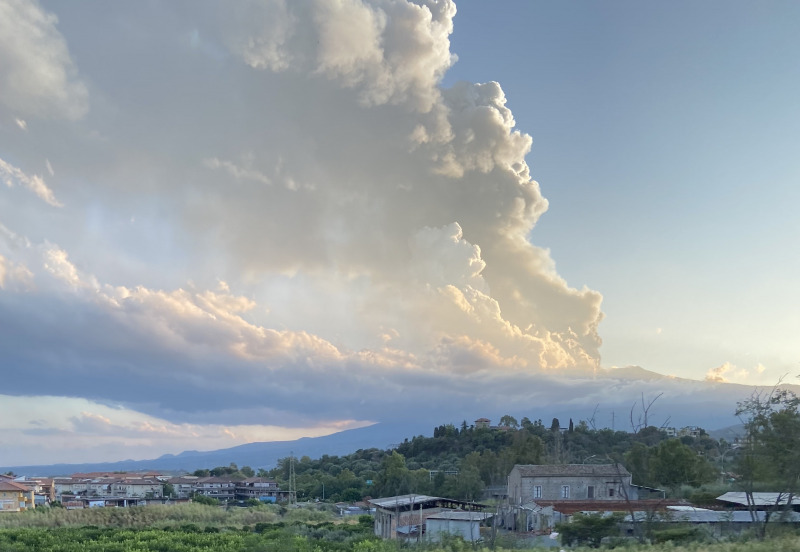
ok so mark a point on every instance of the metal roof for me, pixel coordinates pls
(410, 501)
(758, 499)
(569, 507)
(459, 515)
(403, 500)
(713, 516)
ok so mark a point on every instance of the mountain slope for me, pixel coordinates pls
(255, 455)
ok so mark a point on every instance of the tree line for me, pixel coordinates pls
(461, 461)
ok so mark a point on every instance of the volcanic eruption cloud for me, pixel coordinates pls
(270, 215)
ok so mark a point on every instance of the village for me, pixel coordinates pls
(541, 497)
(91, 490)
(536, 501)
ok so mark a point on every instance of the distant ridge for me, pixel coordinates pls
(617, 392)
(256, 455)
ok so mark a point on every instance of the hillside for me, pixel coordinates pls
(257, 455)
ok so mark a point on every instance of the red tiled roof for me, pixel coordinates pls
(13, 486)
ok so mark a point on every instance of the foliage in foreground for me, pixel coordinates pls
(298, 537)
(589, 529)
(154, 516)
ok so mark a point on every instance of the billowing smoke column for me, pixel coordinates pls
(276, 204)
(421, 193)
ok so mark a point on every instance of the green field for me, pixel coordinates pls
(199, 528)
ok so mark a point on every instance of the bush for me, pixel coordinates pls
(588, 529)
(202, 499)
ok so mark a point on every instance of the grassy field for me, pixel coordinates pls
(268, 528)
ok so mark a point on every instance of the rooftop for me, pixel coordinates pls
(572, 470)
(569, 507)
(458, 515)
(758, 499)
(403, 500)
(13, 486)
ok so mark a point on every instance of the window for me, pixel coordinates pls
(591, 492)
(537, 491)
(564, 491)
(611, 492)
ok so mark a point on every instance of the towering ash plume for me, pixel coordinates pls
(276, 208)
(421, 193)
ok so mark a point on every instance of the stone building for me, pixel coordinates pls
(570, 482)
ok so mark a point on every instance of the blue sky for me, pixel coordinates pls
(287, 219)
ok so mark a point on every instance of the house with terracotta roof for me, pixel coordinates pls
(42, 487)
(15, 497)
(482, 423)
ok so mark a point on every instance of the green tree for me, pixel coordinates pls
(509, 421)
(673, 464)
(769, 456)
(394, 477)
(526, 448)
(588, 529)
(637, 461)
(202, 499)
(469, 485)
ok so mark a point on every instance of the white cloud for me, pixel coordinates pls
(388, 51)
(317, 222)
(57, 263)
(239, 173)
(15, 276)
(37, 75)
(727, 372)
(73, 425)
(11, 174)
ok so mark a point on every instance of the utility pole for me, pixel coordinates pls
(292, 480)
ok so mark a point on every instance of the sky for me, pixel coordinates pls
(225, 223)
